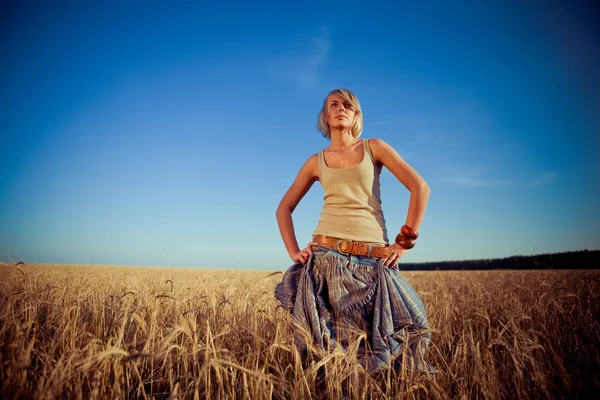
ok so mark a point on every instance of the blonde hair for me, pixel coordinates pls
(357, 126)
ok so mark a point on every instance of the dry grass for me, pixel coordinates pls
(108, 332)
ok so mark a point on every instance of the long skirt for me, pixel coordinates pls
(342, 300)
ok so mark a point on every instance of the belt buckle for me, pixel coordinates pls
(337, 247)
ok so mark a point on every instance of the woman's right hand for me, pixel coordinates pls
(303, 255)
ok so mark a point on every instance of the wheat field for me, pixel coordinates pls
(150, 333)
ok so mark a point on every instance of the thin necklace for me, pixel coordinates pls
(343, 151)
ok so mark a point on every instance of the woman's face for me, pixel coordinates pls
(340, 113)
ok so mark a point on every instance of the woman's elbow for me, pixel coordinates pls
(282, 209)
(422, 189)
(278, 211)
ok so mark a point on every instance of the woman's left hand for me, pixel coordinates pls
(397, 253)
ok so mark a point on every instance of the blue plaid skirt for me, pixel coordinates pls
(337, 299)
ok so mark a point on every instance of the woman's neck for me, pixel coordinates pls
(341, 138)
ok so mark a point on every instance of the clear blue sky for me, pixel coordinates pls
(165, 133)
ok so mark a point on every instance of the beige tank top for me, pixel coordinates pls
(352, 201)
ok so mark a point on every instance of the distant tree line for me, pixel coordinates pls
(584, 259)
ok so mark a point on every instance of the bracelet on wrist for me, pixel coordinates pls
(406, 238)
(409, 232)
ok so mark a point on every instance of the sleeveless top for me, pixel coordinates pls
(352, 201)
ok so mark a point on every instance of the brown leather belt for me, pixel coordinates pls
(351, 247)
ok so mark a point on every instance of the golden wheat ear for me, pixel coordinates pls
(9, 259)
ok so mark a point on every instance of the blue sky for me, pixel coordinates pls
(166, 133)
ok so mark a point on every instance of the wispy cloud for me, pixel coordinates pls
(481, 176)
(452, 128)
(543, 179)
(466, 149)
(476, 182)
(472, 176)
(304, 63)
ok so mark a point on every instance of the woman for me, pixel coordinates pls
(344, 287)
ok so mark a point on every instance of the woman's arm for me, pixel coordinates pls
(385, 155)
(308, 174)
(419, 190)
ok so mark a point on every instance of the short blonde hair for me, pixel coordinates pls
(357, 126)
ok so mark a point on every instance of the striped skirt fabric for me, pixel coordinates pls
(341, 300)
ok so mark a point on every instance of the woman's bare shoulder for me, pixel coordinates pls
(378, 143)
(379, 148)
(312, 160)
(311, 166)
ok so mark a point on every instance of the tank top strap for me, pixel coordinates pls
(368, 149)
(321, 158)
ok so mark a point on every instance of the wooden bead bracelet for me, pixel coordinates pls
(406, 238)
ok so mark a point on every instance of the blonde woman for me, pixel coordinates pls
(345, 285)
